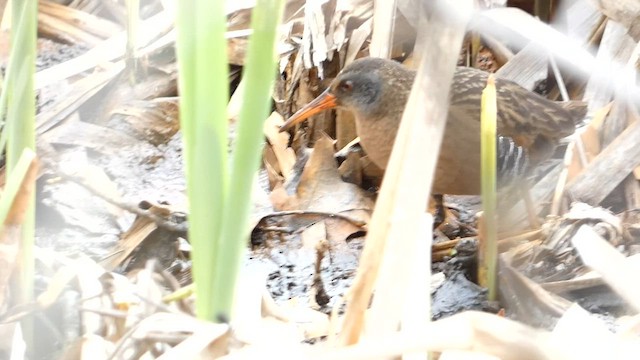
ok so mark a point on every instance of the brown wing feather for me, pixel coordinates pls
(531, 120)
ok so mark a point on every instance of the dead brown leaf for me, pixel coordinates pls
(351, 169)
(272, 167)
(153, 120)
(623, 11)
(322, 189)
(279, 141)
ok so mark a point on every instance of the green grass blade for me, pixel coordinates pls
(12, 63)
(21, 109)
(203, 84)
(260, 72)
(21, 93)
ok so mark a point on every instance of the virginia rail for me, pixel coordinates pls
(376, 91)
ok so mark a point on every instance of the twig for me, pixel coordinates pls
(556, 202)
(160, 221)
(559, 80)
(329, 215)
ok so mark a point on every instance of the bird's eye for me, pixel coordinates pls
(346, 85)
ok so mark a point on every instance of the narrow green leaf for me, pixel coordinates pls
(260, 73)
(203, 84)
(489, 248)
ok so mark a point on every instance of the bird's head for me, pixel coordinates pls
(359, 88)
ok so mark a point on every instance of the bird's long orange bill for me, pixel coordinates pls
(325, 101)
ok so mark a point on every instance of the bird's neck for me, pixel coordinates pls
(376, 137)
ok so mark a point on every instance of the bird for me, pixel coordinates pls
(376, 91)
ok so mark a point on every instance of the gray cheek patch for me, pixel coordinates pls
(371, 92)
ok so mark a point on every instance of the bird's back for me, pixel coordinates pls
(532, 121)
